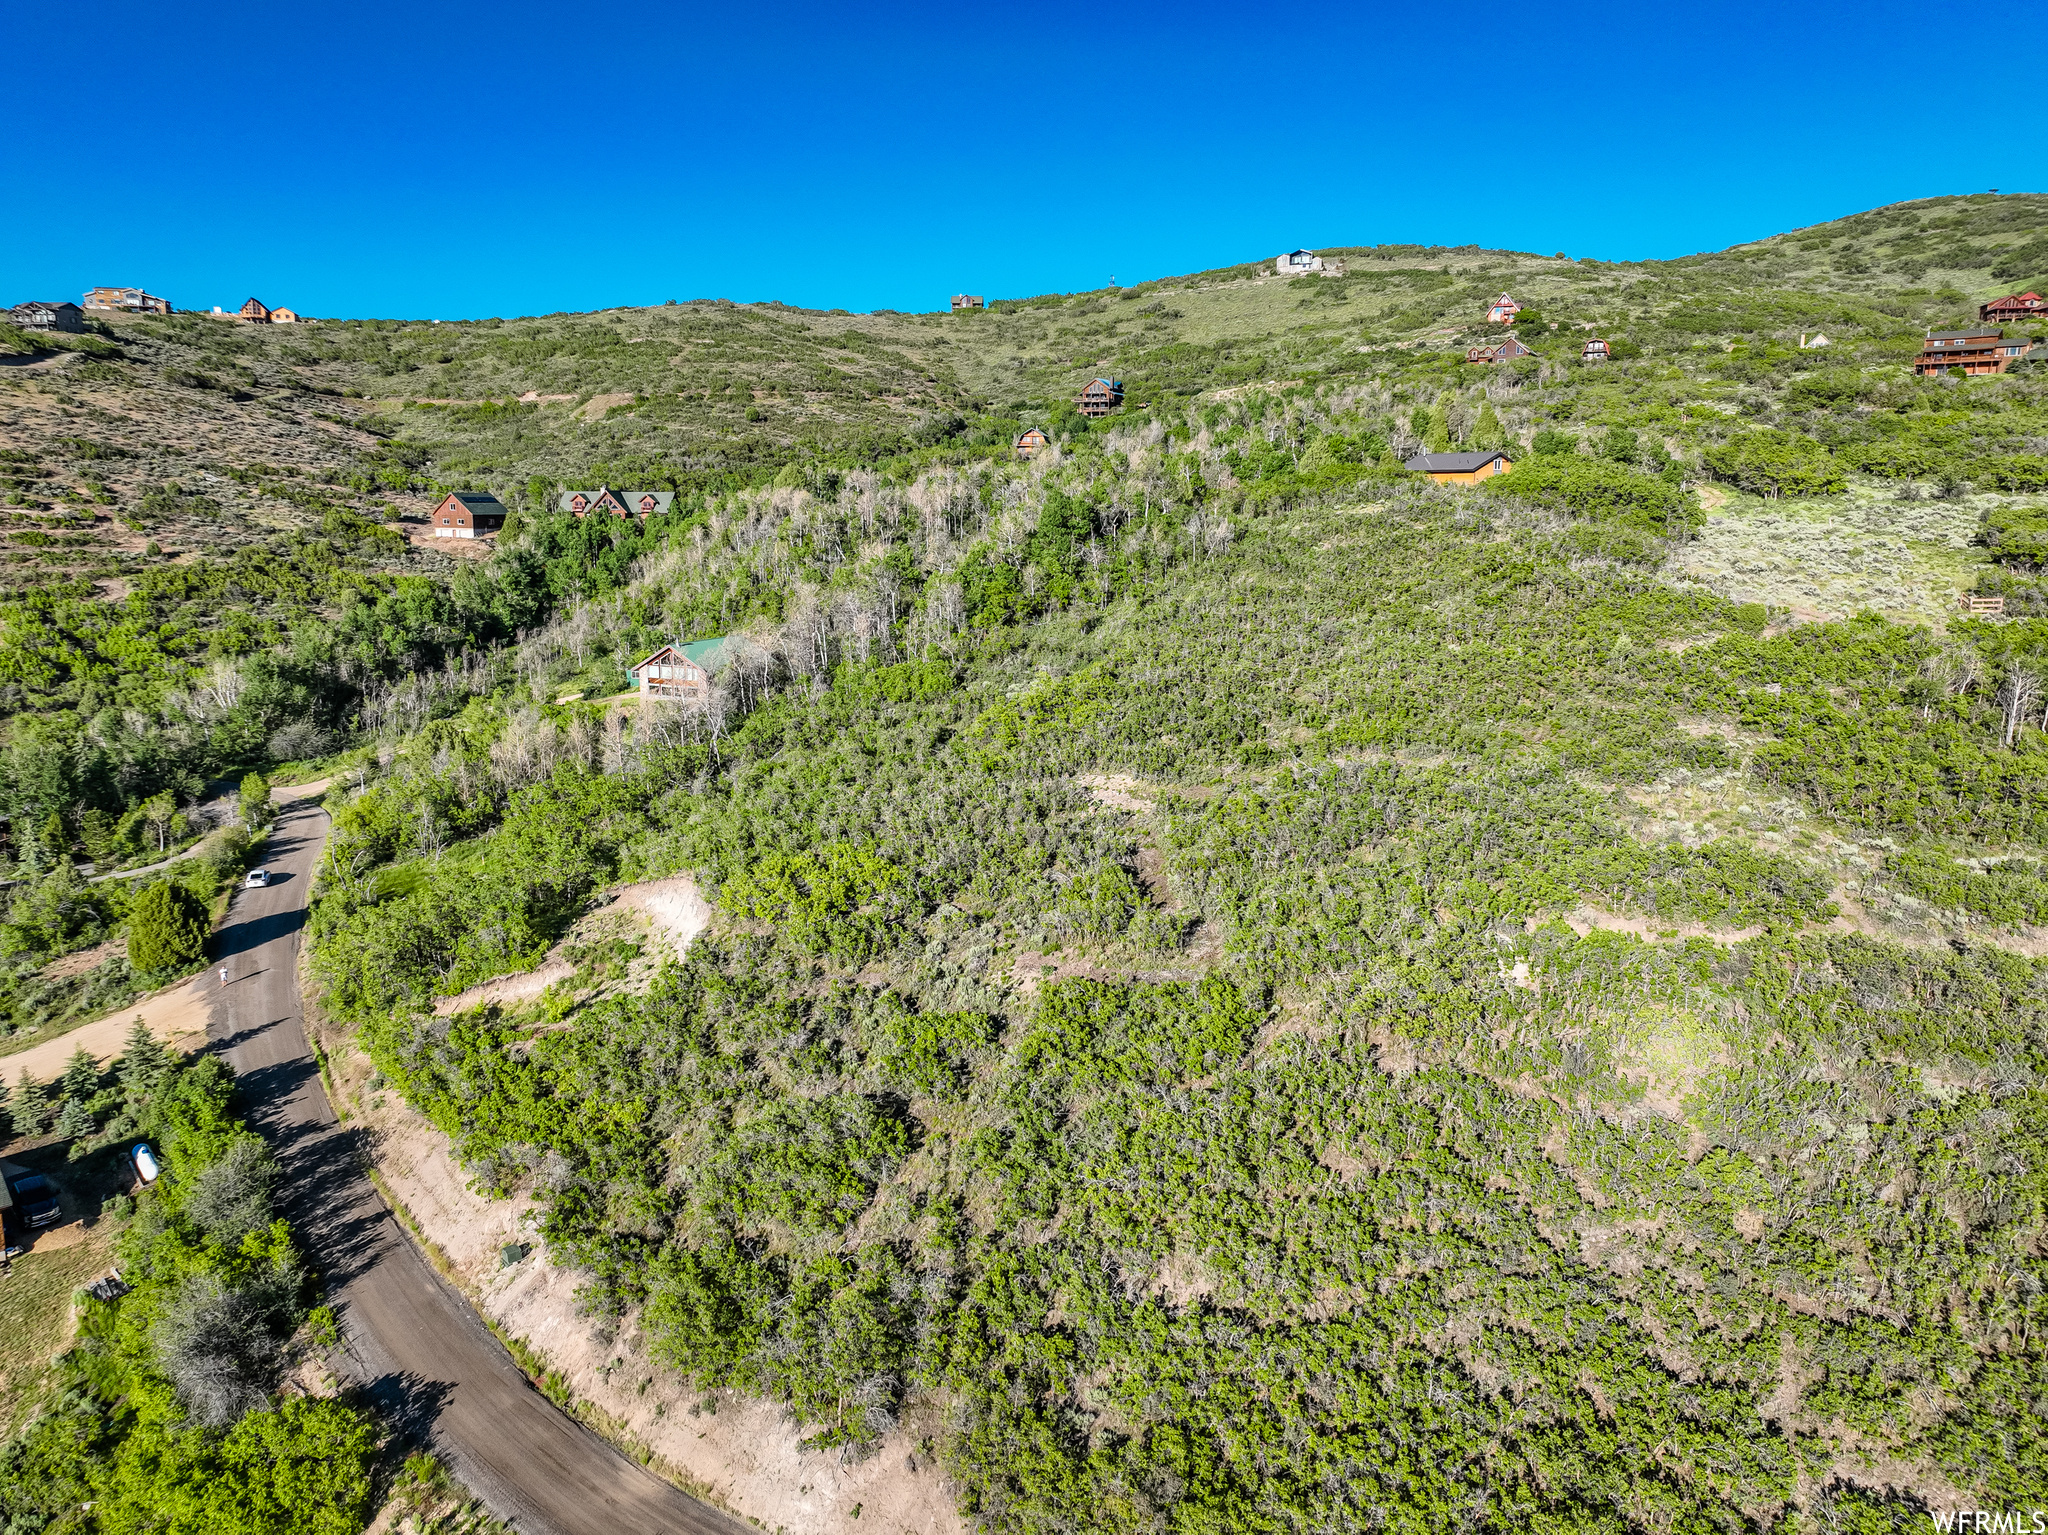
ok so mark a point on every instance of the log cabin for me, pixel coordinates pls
(1099, 396)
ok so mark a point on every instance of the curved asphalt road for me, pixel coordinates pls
(410, 1339)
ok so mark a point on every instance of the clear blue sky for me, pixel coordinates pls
(437, 161)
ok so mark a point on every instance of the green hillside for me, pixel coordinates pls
(1251, 991)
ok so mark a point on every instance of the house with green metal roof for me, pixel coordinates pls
(686, 671)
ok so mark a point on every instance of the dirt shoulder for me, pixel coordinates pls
(743, 1454)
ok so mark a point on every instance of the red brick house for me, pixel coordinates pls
(467, 514)
(1511, 347)
(2014, 306)
(1100, 396)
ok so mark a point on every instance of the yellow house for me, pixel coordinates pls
(1460, 468)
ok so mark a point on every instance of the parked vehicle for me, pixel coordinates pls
(35, 1198)
(146, 1167)
(256, 878)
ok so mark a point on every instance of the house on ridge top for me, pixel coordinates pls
(39, 315)
(255, 311)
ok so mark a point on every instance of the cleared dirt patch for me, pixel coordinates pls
(666, 913)
(177, 1017)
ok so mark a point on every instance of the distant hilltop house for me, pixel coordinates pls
(255, 311)
(38, 315)
(1982, 349)
(126, 301)
(1503, 311)
(967, 301)
(467, 513)
(1500, 353)
(685, 671)
(1460, 468)
(285, 317)
(1031, 441)
(1099, 396)
(1297, 264)
(2014, 306)
(1595, 350)
(1813, 343)
(615, 503)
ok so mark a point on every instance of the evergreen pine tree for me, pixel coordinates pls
(31, 1105)
(76, 1121)
(143, 1061)
(81, 1079)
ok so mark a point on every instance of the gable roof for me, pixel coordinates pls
(477, 501)
(1453, 463)
(39, 303)
(2030, 299)
(1113, 385)
(711, 654)
(1974, 333)
(604, 498)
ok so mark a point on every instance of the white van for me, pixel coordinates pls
(256, 879)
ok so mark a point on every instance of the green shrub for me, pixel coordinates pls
(2013, 471)
(2011, 893)
(1598, 488)
(1773, 463)
(167, 929)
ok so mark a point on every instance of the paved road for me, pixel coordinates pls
(411, 1339)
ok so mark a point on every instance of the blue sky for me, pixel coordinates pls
(438, 161)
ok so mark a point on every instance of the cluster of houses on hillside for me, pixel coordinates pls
(1505, 311)
(255, 312)
(39, 314)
